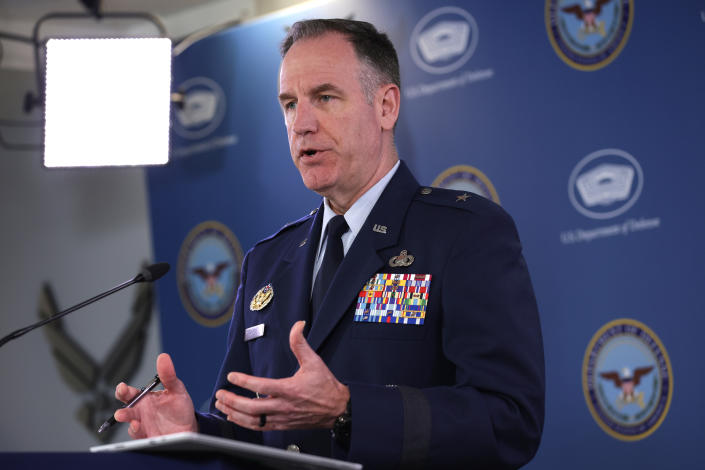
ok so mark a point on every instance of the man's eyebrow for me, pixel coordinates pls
(324, 87)
(285, 97)
(317, 90)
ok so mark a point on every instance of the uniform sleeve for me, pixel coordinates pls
(492, 416)
(237, 358)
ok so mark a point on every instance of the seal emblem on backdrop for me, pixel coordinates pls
(467, 178)
(444, 40)
(606, 183)
(588, 34)
(202, 110)
(627, 379)
(208, 273)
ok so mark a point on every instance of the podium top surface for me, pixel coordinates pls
(194, 442)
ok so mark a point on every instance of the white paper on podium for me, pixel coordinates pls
(245, 451)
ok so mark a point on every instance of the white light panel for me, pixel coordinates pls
(107, 102)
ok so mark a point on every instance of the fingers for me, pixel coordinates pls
(274, 387)
(251, 421)
(124, 415)
(259, 385)
(247, 412)
(228, 403)
(251, 406)
(124, 392)
(167, 374)
(299, 346)
(135, 430)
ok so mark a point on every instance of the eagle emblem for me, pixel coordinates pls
(588, 16)
(627, 381)
(210, 275)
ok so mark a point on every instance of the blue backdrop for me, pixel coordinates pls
(588, 125)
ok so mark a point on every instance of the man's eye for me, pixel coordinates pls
(326, 98)
(290, 105)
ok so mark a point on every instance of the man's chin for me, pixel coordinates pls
(321, 190)
(316, 183)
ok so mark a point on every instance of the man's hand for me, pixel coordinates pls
(311, 398)
(163, 412)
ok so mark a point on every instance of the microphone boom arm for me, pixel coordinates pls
(148, 274)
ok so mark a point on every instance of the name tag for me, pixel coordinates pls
(394, 298)
(254, 332)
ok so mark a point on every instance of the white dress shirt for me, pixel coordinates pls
(355, 217)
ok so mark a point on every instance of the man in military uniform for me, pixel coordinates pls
(399, 317)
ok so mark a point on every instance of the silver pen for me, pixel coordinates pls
(143, 391)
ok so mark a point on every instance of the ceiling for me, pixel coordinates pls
(180, 18)
(22, 10)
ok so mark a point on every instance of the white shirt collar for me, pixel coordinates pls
(355, 216)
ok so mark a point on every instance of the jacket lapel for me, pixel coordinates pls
(362, 260)
(298, 269)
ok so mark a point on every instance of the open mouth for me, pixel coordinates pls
(309, 152)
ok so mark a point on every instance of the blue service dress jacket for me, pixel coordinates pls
(464, 389)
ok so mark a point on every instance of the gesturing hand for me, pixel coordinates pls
(164, 412)
(311, 398)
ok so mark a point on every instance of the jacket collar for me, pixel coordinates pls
(381, 230)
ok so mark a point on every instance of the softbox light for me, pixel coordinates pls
(107, 102)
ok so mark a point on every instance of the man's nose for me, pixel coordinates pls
(305, 119)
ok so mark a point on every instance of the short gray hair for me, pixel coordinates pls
(374, 50)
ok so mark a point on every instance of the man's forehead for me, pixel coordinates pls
(327, 40)
(329, 58)
(329, 49)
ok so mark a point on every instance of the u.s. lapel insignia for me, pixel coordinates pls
(380, 228)
(262, 298)
(403, 260)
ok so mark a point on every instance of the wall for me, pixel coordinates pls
(597, 156)
(83, 231)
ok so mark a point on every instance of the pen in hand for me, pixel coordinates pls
(143, 391)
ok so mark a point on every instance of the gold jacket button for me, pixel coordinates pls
(293, 448)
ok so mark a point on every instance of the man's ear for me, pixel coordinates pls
(389, 102)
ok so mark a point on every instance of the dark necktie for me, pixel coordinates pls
(331, 259)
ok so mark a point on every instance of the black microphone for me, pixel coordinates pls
(148, 274)
(152, 273)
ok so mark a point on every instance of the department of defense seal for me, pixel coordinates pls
(208, 273)
(467, 178)
(588, 34)
(627, 379)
